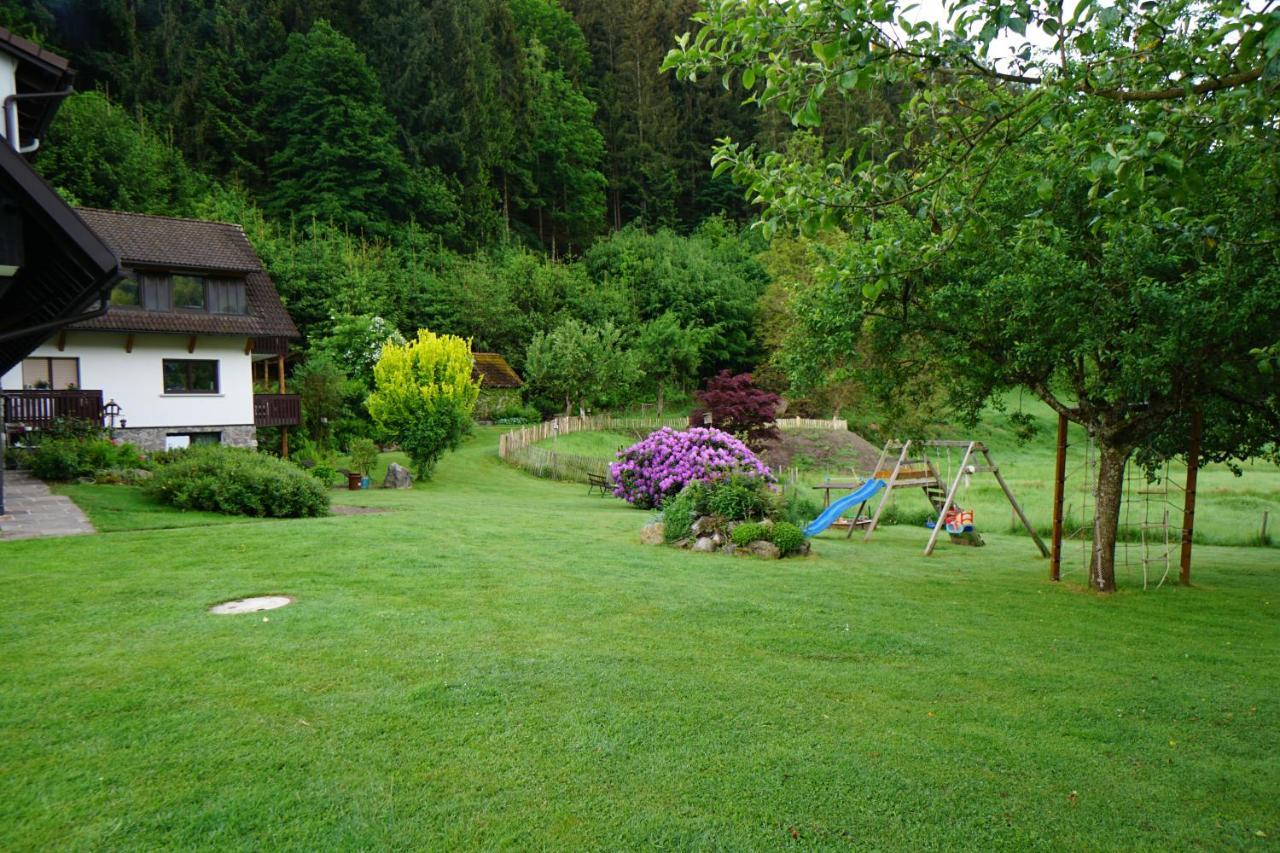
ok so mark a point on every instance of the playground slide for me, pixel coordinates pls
(865, 492)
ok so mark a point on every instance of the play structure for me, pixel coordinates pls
(860, 496)
(914, 467)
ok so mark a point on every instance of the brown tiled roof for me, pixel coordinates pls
(171, 243)
(160, 242)
(31, 51)
(494, 370)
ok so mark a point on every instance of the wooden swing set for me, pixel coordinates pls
(921, 472)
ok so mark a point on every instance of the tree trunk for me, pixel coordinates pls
(660, 399)
(1108, 496)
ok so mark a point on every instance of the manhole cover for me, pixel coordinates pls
(251, 605)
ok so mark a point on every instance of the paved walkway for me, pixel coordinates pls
(34, 511)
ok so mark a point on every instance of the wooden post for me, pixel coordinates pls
(1013, 502)
(1189, 506)
(1059, 493)
(888, 490)
(284, 430)
(1262, 535)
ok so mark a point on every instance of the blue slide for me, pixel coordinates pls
(865, 492)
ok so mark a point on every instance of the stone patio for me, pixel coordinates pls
(33, 511)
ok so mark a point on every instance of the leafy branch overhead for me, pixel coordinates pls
(1125, 92)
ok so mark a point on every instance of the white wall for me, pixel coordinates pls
(135, 380)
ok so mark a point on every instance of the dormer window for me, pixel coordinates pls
(181, 292)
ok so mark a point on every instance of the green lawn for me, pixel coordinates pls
(497, 662)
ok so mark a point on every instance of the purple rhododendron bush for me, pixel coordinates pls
(664, 462)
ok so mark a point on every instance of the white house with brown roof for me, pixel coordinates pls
(177, 347)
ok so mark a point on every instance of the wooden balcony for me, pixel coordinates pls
(38, 409)
(273, 410)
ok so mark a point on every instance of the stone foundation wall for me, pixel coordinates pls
(152, 438)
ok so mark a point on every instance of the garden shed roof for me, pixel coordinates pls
(494, 370)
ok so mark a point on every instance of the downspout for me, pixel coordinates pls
(11, 117)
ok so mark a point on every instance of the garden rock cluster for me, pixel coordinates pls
(711, 534)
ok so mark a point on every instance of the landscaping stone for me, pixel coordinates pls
(705, 545)
(764, 549)
(704, 525)
(398, 477)
(653, 534)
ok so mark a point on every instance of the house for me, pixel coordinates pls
(173, 359)
(499, 384)
(53, 268)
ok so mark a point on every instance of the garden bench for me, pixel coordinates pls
(599, 481)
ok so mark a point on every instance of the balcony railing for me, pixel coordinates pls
(38, 409)
(272, 410)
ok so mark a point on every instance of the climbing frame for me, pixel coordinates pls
(921, 472)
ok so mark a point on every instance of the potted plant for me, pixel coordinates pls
(364, 455)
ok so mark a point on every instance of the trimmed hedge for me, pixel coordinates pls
(238, 482)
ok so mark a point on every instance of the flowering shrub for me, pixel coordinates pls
(662, 464)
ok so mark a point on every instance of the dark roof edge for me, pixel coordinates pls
(163, 217)
(57, 212)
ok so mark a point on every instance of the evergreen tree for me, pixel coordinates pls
(333, 147)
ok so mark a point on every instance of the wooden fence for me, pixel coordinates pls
(520, 447)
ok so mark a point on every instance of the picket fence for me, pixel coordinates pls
(520, 447)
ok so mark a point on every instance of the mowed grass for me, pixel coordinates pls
(498, 662)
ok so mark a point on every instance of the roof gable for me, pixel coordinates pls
(143, 241)
(494, 371)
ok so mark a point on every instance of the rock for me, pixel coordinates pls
(718, 539)
(653, 533)
(762, 548)
(728, 547)
(704, 526)
(398, 477)
(681, 543)
(705, 545)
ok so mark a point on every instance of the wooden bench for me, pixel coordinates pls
(599, 481)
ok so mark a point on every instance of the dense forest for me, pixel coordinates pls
(518, 172)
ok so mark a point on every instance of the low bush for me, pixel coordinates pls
(788, 537)
(745, 534)
(680, 512)
(324, 473)
(238, 482)
(68, 458)
(740, 498)
(516, 415)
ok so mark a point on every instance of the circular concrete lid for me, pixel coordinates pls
(251, 605)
